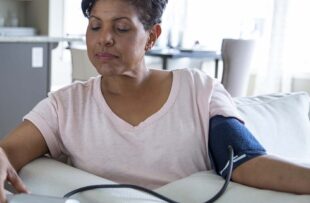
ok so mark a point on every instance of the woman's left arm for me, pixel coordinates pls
(252, 164)
(269, 172)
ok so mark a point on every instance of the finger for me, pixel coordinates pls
(2, 192)
(16, 182)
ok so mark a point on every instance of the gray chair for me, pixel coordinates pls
(82, 69)
(237, 55)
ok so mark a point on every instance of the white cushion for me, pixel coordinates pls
(280, 122)
(200, 187)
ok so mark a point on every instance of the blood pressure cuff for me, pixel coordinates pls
(225, 131)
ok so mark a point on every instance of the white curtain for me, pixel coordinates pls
(286, 49)
(173, 22)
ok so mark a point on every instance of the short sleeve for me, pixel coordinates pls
(221, 102)
(44, 117)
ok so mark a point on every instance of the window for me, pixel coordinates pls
(209, 21)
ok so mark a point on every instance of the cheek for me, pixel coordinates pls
(89, 41)
(136, 45)
(133, 50)
(90, 44)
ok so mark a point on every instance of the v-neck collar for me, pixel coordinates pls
(120, 123)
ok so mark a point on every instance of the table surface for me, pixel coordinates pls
(179, 53)
(34, 39)
(168, 53)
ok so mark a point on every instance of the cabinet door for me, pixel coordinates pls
(24, 81)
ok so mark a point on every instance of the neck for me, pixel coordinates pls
(126, 83)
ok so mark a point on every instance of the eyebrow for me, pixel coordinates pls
(92, 16)
(114, 19)
(121, 18)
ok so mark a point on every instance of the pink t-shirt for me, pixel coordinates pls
(171, 144)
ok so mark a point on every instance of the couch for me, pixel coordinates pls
(279, 121)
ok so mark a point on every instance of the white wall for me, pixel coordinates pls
(75, 22)
(61, 58)
(56, 18)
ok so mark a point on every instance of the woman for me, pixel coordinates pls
(137, 125)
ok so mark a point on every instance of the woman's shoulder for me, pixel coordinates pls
(77, 88)
(183, 71)
(194, 75)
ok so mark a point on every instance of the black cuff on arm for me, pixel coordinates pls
(230, 131)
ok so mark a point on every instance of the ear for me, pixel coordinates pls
(156, 31)
(154, 34)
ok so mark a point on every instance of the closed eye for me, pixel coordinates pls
(122, 30)
(95, 28)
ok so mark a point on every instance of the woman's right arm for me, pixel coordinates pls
(21, 146)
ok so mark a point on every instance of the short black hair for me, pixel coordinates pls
(149, 11)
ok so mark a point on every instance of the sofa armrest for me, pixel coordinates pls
(45, 176)
(49, 177)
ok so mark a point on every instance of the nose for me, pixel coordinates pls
(106, 38)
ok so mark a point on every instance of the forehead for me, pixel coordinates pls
(113, 8)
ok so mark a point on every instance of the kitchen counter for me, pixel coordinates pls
(39, 39)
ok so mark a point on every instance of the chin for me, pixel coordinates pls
(108, 70)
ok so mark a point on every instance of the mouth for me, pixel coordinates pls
(105, 56)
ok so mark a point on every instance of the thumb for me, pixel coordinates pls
(16, 181)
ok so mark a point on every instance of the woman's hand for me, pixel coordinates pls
(21, 146)
(7, 172)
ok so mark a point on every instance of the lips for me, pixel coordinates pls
(105, 56)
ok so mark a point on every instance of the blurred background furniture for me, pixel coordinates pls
(237, 55)
(82, 69)
(168, 53)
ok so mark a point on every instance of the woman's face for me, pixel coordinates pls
(115, 38)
